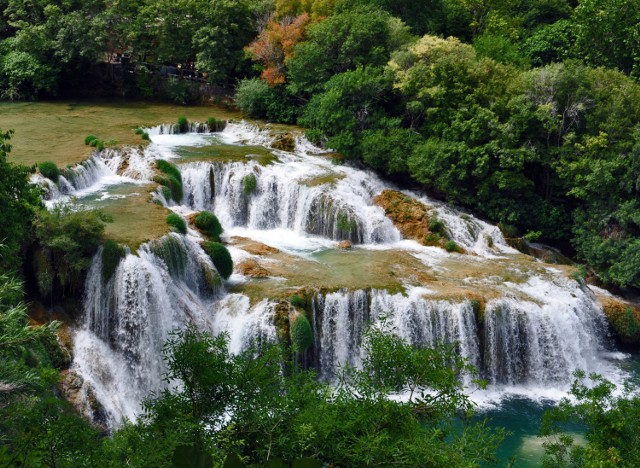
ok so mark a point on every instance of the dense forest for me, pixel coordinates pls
(525, 112)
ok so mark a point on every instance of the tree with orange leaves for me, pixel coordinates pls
(274, 46)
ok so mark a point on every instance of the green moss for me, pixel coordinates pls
(145, 136)
(93, 143)
(213, 278)
(301, 333)
(172, 178)
(249, 184)
(297, 301)
(112, 253)
(208, 223)
(172, 252)
(89, 138)
(49, 170)
(177, 223)
(220, 257)
(139, 131)
(100, 145)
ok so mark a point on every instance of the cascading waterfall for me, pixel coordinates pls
(341, 210)
(531, 333)
(128, 318)
(514, 342)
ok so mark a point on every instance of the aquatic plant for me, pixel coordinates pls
(249, 184)
(112, 253)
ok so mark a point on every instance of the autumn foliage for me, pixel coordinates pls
(274, 46)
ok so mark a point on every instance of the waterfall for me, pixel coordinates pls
(514, 342)
(340, 209)
(128, 318)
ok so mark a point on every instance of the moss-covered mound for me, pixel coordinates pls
(220, 257)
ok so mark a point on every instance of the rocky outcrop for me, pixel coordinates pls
(253, 247)
(251, 267)
(344, 245)
(409, 215)
(284, 142)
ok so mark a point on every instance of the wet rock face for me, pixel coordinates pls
(252, 268)
(408, 215)
(345, 245)
(284, 142)
(82, 397)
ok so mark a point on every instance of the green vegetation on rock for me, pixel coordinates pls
(170, 178)
(177, 223)
(249, 184)
(112, 254)
(220, 257)
(49, 170)
(301, 333)
(208, 223)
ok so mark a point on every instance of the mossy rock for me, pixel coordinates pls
(177, 223)
(208, 223)
(624, 320)
(220, 257)
(49, 170)
(301, 333)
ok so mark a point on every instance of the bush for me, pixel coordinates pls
(49, 170)
(297, 301)
(432, 239)
(251, 97)
(177, 223)
(112, 253)
(249, 184)
(89, 138)
(145, 136)
(99, 145)
(93, 143)
(301, 333)
(183, 124)
(437, 226)
(208, 223)
(179, 91)
(220, 257)
(216, 125)
(139, 131)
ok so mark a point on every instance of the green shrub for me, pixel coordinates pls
(249, 184)
(145, 136)
(451, 246)
(435, 225)
(99, 145)
(432, 239)
(177, 223)
(208, 223)
(112, 253)
(179, 91)
(49, 170)
(297, 301)
(301, 333)
(220, 257)
(509, 231)
(251, 97)
(93, 143)
(139, 131)
(183, 124)
(89, 138)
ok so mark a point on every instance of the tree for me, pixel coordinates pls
(260, 407)
(19, 202)
(611, 421)
(338, 44)
(66, 239)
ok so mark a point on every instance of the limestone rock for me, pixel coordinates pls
(251, 267)
(345, 244)
(409, 215)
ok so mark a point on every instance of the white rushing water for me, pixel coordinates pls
(529, 339)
